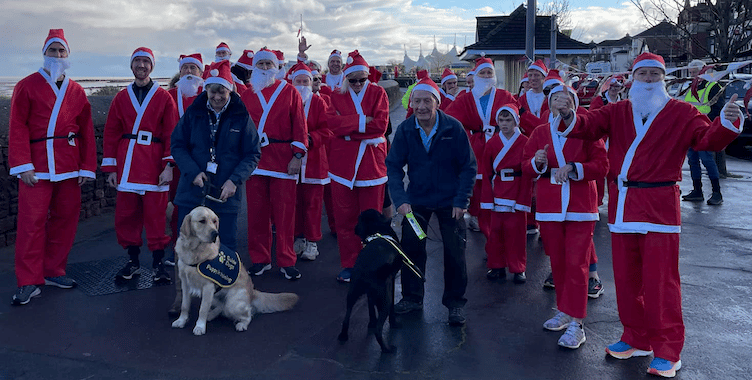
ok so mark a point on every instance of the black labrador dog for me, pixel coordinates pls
(373, 274)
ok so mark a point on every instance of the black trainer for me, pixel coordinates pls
(715, 199)
(404, 306)
(519, 278)
(63, 282)
(694, 196)
(128, 271)
(291, 273)
(549, 282)
(160, 274)
(496, 274)
(595, 288)
(259, 268)
(456, 316)
(23, 294)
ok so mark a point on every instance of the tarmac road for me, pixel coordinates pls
(66, 334)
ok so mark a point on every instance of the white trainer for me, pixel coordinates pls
(311, 251)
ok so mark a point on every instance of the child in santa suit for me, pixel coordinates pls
(567, 210)
(508, 194)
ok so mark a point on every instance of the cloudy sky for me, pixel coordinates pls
(103, 33)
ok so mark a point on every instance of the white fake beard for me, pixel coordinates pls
(305, 92)
(56, 66)
(481, 85)
(647, 98)
(189, 84)
(261, 79)
(281, 74)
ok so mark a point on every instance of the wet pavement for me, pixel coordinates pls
(66, 334)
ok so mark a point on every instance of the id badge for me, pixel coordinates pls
(263, 140)
(211, 167)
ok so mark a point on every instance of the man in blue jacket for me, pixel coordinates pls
(441, 169)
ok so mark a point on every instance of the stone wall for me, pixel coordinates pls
(96, 196)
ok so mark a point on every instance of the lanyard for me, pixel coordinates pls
(213, 128)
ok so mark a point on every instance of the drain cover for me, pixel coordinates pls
(97, 278)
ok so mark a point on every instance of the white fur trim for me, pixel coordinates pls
(270, 173)
(144, 54)
(649, 63)
(580, 172)
(535, 168)
(299, 145)
(191, 60)
(642, 228)
(362, 123)
(729, 125)
(486, 206)
(218, 80)
(223, 49)
(301, 72)
(513, 112)
(353, 69)
(533, 66)
(570, 127)
(109, 162)
(478, 176)
(483, 66)
(448, 77)
(21, 168)
(53, 40)
(552, 81)
(244, 65)
(429, 88)
(264, 55)
(86, 173)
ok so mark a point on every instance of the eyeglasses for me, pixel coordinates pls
(361, 80)
(315, 79)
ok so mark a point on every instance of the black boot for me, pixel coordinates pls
(716, 198)
(696, 194)
(160, 274)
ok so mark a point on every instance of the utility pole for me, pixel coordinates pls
(530, 31)
(554, 30)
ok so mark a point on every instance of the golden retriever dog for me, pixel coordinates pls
(198, 243)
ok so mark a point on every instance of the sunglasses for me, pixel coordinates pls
(316, 79)
(361, 80)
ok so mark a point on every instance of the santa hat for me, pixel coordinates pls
(374, 75)
(335, 53)
(420, 74)
(55, 35)
(482, 63)
(447, 75)
(552, 78)
(219, 73)
(264, 54)
(314, 66)
(512, 108)
(539, 66)
(194, 58)
(300, 68)
(280, 57)
(562, 88)
(524, 78)
(649, 60)
(696, 64)
(223, 47)
(144, 52)
(246, 60)
(427, 84)
(616, 79)
(355, 62)
(469, 73)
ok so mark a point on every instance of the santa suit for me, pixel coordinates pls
(446, 99)
(282, 131)
(314, 172)
(598, 102)
(468, 110)
(328, 205)
(240, 86)
(357, 161)
(182, 102)
(51, 133)
(533, 114)
(567, 212)
(137, 148)
(644, 213)
(508, 194)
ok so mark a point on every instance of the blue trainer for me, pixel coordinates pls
(663, 367)
(621, 350)
(345, 275)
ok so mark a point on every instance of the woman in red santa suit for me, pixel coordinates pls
(138, 160)
(449, 89)
(476, 111)
(314, 170)
(507, 194)
(52, 150)
(277, 110)
(567, 211)
(649, 135)
(358, 119)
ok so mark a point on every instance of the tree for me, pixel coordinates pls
(718, 29)
(560, 8)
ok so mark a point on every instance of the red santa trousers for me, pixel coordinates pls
(47, 220)
(270, 199)
(507, 242)
(308, 211)
(568, 245)
(329, 208)
(133, 212)
(648, 292)
(348, 204)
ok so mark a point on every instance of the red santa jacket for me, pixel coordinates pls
(467, 109)
(529, 120)
(137, 138)
(650, 152)
(577, 198)
(183, 102)
(446, 100)
(281, 127)
(358, 149)
(315, 166)
(503, 188)
(240, 87)
(51, 130)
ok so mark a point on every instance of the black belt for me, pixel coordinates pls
(517, 173)
(135, 137)
(275, 141)
(69, 138)
(546, 175)
(648, 185)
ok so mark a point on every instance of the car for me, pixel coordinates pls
(741, 147)
(586, 90)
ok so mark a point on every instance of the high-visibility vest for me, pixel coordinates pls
(704, 94)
